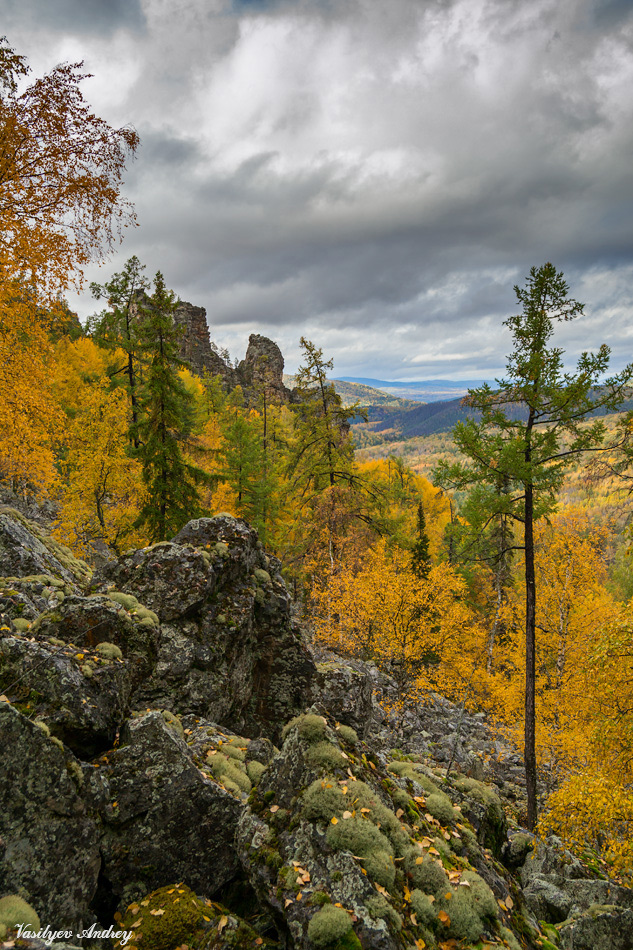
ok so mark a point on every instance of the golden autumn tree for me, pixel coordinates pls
(592, 809)
(101, 491)
(571, 573)
(419, 629)
(60, 207)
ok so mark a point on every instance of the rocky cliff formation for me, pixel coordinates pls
(261, 370)
(178, 765)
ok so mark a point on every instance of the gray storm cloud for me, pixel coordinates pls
(376, 176)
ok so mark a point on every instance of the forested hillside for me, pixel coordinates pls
(497, 577)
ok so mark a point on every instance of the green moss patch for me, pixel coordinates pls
(14, 911)
(164, 919)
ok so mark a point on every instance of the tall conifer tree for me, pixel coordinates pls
(530, 428)
(165, 421)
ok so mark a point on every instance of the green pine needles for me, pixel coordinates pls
(165, 420)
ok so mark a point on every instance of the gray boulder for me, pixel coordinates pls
(163, 819)
(49, 841)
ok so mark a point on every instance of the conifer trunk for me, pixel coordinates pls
(530, 647)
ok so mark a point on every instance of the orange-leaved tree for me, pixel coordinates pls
(60, 206)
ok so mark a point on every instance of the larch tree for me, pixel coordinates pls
(529, 429)
(323, 451)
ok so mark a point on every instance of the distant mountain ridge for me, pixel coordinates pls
(417, 390)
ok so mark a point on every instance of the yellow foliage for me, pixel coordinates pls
(29, 418)
(100, 493)
(418, 629)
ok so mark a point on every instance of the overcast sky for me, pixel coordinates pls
(375, 175)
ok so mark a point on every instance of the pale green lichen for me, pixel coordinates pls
(21, 624)
(380, 909)
(255, 770)
(363, 839)
(426, 873)
(439, 805)
(109, 651)
(348, 734)
(311, 728)
(328, 926)
(144, 614)
(324, 755)
(323, 800)
(423, 908)
(410, 771)
(125, 600)
(231, 770)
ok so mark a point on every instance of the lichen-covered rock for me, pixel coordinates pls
(49, 846)
(344, 691)
(339, 833)
(228, 650)
(483, 808)
(262, 369)
(164, 820)
(81, 695)
(28, 549)
(603, 927)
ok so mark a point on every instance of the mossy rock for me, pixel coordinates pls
(328, 926)
(173, 722)
(164, 919)
(15, 911)
(262, 577)
(21, 624)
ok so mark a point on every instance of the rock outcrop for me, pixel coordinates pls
(262, 369)
(260, 372)
(196, 347)
(175, 762)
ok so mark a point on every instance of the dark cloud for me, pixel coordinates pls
(81, 17)
(374, 175)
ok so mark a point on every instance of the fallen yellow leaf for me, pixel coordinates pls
(334, 820)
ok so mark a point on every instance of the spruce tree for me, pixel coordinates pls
(420, 558)
(165, 420)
